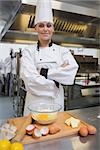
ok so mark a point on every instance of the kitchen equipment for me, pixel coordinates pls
(44, 113)
(91, 91)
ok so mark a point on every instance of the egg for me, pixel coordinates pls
(91, 129)
(83, 131)
(54, 128)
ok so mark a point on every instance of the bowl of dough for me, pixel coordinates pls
(44, 113)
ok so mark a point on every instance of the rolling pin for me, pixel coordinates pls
(20, 133)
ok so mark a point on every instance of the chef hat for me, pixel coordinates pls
(43, 11)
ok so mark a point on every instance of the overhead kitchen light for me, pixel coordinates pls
(71, 45)
(24, 41)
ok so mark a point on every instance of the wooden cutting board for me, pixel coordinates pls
(65, 130)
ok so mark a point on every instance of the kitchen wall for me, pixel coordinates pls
(6, 47)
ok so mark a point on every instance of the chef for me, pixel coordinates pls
(45, 66)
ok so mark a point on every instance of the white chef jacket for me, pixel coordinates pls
(38, 87)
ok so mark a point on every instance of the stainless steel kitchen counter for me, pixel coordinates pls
(75, 142)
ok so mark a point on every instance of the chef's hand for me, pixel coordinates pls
(44, 72)
(64, 64)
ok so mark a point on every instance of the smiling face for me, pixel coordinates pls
(45, 31)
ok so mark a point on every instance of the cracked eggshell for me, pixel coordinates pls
(36, 133)
(29, 129)
(44, 130)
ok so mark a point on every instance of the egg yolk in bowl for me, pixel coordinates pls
(45, 118)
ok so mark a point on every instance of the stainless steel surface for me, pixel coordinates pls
(91, 142)
(80, 7)
(75, 142)
(74, 21)
(8, 10)
(30, 37)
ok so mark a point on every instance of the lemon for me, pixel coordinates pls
(17, 146)
(5, 144)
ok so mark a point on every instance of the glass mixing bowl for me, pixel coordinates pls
(44, 113)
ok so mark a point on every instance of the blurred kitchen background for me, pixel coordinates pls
(77, 26)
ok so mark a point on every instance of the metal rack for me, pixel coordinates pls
(18, 96)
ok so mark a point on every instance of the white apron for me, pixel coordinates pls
(38, 87)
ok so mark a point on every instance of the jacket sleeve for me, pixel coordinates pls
(64, 75)
(34, 82)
